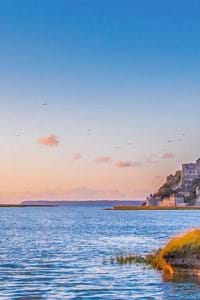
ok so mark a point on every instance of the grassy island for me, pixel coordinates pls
(126, 207)
(180, 255)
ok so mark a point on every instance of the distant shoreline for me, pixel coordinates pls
(117, 207)
(153, 208)
(56, 203)
(20, 205)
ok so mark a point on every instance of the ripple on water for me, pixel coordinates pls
(64, 253)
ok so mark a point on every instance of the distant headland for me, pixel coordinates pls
(104, 203)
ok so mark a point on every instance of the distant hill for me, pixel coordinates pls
(105, 203)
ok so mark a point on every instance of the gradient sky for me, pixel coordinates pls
(121, 80)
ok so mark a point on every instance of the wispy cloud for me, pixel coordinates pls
(127, 164)
(103, 159)
(50, 140)
(167, 155)
(77, 156)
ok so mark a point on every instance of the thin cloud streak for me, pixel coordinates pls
(167, 155)
(103, 159)
(127, 164)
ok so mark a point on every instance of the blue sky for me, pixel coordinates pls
(126, 70)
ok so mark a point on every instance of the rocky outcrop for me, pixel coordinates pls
(173, 182)
(180, 256)
(188, 265)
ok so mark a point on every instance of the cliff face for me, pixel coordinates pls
(172, 184)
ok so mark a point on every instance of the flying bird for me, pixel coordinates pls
(175, 140)
(170, 141)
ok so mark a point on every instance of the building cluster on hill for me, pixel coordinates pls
(181, 189)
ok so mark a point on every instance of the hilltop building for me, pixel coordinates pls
(179, 189)
(190, 172)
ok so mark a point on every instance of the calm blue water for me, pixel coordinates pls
(64, 253)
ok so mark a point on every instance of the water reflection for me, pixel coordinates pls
(59, 253)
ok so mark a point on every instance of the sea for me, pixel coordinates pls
(66, 252)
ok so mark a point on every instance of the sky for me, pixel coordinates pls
(99, 99)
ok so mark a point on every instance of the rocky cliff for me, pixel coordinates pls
(173, 183)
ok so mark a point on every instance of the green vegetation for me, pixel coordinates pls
(178, 247)
(154, 260)
(183, 245)
(130, 259)
(126, 207)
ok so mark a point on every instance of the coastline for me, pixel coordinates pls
(22, 206)
(153, 208)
